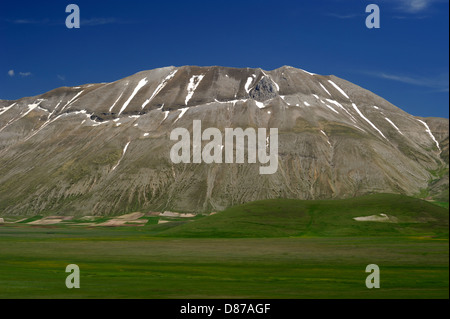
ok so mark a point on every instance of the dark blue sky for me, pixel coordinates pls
(406, 61)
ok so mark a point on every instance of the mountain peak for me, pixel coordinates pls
(104, 148)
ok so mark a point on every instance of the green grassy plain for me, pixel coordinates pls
(268, 249)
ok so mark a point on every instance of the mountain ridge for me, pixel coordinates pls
(66, 150)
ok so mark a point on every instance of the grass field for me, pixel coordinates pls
(269, 249)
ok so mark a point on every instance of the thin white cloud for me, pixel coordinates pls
(343, 16)
(11, 73)
(29, 21)
(84, 22)
(99, 21)
(61, 77)
(25, 74)
(414, 6)
(439, 83)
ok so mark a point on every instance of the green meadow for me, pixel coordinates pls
(267, 249)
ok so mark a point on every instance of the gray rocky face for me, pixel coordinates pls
(104, 148)
(264, 90)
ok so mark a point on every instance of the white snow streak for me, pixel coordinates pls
(367, 120)
(183, 110)
(31, 107)
(110, 109)
(331, 108)
(431, 134)
(146, 102)
(160, 87)
(395, 126)
(306, 103)
(308, 72)
(73, 99)
(325, 89)
(328, 140)
(340, 105)
(339, 89)
(276, 84)
(193, 84)
(123, 154)
(136, 89)
(247, 85)
(7, 108)
(166, 113)
(227, 102)
(48, 122)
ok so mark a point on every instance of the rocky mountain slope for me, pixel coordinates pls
(103, 149)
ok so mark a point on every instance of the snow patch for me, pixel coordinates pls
(7, 108)
(72, 100)
(342, 107)
(136, 89)
(183, 110)
(259, 104)
(32, 106)
(276, 84)
(166, 113)
(160, 87)
(367, 120)
(331, 108)
(328, 140)
(308, 72)
(395, 126)
(123, 154)
(339, 89)
(429, 133)
(146, 102)
(110, 109)
(247, 85)
(325, 89)
(192, 86)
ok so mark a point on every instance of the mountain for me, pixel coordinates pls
(104, 149)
